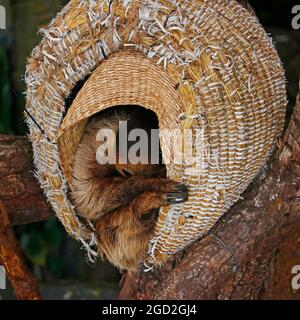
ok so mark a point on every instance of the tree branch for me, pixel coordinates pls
(19, 189)
(23, 282)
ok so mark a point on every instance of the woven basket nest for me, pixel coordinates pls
(197, 64)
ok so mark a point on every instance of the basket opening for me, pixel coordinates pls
(137, 137)
(136, 140)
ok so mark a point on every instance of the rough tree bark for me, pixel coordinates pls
(20, 193)
(19, 189)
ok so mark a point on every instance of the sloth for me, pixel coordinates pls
(121, 198)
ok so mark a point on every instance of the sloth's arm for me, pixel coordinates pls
(118, 193)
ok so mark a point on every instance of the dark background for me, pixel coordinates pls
(57, 260)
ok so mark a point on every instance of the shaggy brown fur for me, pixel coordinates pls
(124, 199)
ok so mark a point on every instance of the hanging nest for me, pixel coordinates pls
(205, 65)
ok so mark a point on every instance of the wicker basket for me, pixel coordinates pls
(198, 64)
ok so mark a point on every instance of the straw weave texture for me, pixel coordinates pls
(201, 64)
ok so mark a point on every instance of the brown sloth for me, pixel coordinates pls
(124, 199)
